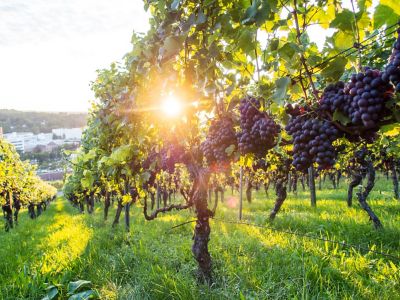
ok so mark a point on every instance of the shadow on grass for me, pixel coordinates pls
(40, 250)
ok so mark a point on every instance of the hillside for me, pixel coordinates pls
(14, 120)
(154, 261)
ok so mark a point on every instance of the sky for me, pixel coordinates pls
(50, 49)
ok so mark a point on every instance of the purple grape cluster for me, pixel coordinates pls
(258, 131)
(334, 97)
(221, 135)
(368, 95)
(363, 99)
(392, 70)
(312, 142)
(150, 165)
(171, 154)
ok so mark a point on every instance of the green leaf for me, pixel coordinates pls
(87, 180)
(335, 69)
(364, 4)
(201, 18)
(282, 85)
(175, 4)
(246, 40)
(52, 293)
(384, 15)
(249, 15)
(232, 103)
(343, 40)
(274, 44)
(90, 294)
(393, 4)
(172, 46)
(343, 20)
(390, 130)
(339, 116)
(246, 160)
(288, 50)
(74, 286)
(121, 154)
(145, 176)
(229, 150)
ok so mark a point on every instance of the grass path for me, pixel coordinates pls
(153, 262)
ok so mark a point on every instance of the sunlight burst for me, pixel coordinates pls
(171, 106)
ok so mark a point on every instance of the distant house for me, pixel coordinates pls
(19, 139)
(51, 146)
(68, 134)
(51, 176)
(39, 149)
(44, 142)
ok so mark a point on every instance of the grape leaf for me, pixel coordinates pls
(74, 286)
(175, 4)
(384, 15)
(281, 89)
(339, 116)
(335, 69)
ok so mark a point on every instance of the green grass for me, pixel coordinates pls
(154, 262)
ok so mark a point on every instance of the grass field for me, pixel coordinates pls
(154, 262)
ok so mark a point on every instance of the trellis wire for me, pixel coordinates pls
(322, 65)
(304, 235)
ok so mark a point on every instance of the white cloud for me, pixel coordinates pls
(50, 50)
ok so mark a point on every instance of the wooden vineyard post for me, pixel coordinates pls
(311, 179)
(241, 193)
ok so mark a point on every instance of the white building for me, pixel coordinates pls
(68, 134)
(39, 139)
(27, 141)
(18, 139)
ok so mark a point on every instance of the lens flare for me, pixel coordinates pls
(171, 106)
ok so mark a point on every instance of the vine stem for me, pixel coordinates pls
(357, 35)
(255, 51)
(302, 58)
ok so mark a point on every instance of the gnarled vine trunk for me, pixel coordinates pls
(395, 181)
(266, 186)
(7, 210)
(17, 207)
(249, 187)
(165, 197)
(362, 195)
(311, 180)
(202, 229)
(222, 194)
(280, 190)
(107, 204)
(339, 175)
(153, 199)
(39, 209)
(81, 207)
(356, 180)
(294, 183)
(127, 216)
(31, 211)
(302, 183)
(117, 214)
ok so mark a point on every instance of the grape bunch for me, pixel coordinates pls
(392, 70)
(260, 164)
(171, 154)
(258, 131)
(151, 166)
(363, 99)
(334, 97)
(312, 142)
(369, 94)
(221, 135)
